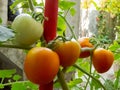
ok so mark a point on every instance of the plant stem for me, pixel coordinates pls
(71, 30)
(78, 67)
(117, 79)
(91, 53)
(15, 46)
(62, 80)
(31, 5)
(7, 84)
(2, 80)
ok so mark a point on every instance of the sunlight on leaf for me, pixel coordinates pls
(72, 11)
(31, 86)
(75, 82)
(61, 26)
(114, 46)
(16, 77)
(65, 5)
(7, 73)
(1, 86)
(18, 86)
(24, 86)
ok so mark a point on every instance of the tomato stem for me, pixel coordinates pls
(71, 30)
(31, 5)
(62, 80)
(78, 67)
(91, 53)
(15, 46)
(11, 83)
(84, 49)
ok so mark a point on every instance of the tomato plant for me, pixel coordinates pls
(28, 31)
(102, 60)
(41, 65)
(85, 42)
(68, 52)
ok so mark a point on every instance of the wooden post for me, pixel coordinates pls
(6, 63)
(3, 11)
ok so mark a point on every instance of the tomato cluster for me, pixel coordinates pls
(102, 59)
(42, 64)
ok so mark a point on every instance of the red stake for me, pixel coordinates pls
(50, 24)
(46, 86)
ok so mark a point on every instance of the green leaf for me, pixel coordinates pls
(114, 46)
(61, 26)
(7, 73)
(109, 85)
(71, 69)
(72, 11)
(14, 6)
(65, 5)
(95, 4)
(18, 86)
(25, 85)
(95, 84)
(16, 77)
(85, 64)
(16, 2)
(25, 4)
(117, 56)
(75, 82)
(31, 86)
(57, 85)
(0, 20)
(5, 34)
(1, 86)
(116, 83)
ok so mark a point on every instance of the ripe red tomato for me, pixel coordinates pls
(41, 65)
(102, 60)
(68, 52)
(85, 42)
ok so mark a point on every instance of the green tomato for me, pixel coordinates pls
(28, 30)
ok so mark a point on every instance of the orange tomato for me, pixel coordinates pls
(41, 65)
(84, 42)
(68, 52)
(102, 60)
